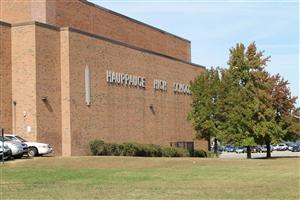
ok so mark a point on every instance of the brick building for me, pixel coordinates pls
(72, 71)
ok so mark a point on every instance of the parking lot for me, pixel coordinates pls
(274, 154)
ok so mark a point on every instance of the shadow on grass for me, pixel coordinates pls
(277, 157)
(47, 156)
(14, 160)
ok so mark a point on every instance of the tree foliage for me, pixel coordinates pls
(205, 113)
(244, 105)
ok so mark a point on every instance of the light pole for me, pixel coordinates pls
(2, 133)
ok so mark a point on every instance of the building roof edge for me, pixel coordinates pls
(36, 23)
(128, 45)
(103, 38)
(134, 20)
(2, 23)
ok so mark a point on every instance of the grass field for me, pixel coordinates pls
(150, 178)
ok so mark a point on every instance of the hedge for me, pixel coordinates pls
(100, 148)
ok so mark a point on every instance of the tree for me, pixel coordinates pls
(284, 105)
(264, 101)
(277, 123)
(240, 102)
(245, 105)
(205, 113)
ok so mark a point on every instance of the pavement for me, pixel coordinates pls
(274, 154)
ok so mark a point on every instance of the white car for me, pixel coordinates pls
(34, 148)
(240, 150)
(281, 147)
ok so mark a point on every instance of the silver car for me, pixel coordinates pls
(240, 150)
(6, 152)
(15, 147)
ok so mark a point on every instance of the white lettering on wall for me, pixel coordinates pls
(181, 88)
(125, 79)
(160, 85)
(139, 81)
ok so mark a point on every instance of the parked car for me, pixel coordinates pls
(280, 147)
(220, 148)
(240, 150)
(253, 150)
(264, 148)
(25, 146)
(259, 148)
(34, 148)
(5, 151)
(229, 148)
(15, 147)
(296, 148)
(290, 145)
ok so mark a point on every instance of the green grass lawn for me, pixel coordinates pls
(150, 178)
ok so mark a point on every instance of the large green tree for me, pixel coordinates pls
(241, 102)
(244, 105)
(267, 109)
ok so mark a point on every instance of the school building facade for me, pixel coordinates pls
(72, 71)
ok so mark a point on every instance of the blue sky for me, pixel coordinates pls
(215, 26)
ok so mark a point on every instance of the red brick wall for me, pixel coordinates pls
(16, 11)
(91, 19)
(48, 62)
(120, 113)
(87, 17)
(35, 75)
(24, 80)
(65, 93)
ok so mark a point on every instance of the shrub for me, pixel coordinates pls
(114, 149)
(141, 150)
(212, 154)
(182, 152)
(174, 152)
(133, 149)
(199, 153)
(168, 152)
(129, 149)
(154, 150)
(99, 148)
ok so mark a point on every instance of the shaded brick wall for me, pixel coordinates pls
(48, 88)
(5, 78)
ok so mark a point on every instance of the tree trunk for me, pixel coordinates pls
(208, 143)
(248, 152)
(268, 149)
(216, 146)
